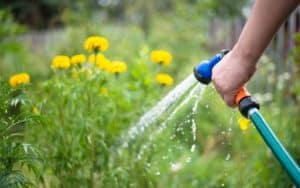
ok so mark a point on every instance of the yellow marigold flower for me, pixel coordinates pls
(92, 60)
(61, 62)
(35, 110)
(164, 79)
(161, 57)
(104, 91)
(96, 44)
(19, 79)
(104, 65)
(117, 67)
(78, 59)
(244, 123)
(102, 62)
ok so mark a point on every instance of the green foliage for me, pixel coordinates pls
(222, 9)
(49, 13)
(39, 14)
(8, 30)
(12, 51)
(16, 154)
(8, 27)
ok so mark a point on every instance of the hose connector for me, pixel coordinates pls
(246, 104)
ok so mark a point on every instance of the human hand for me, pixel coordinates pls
(230, 74)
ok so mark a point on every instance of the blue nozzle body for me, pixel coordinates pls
(203, 71)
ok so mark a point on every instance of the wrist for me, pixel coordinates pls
(249, 57)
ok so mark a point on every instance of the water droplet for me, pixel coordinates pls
(193, 148)
(188, 159)
(172, 137)
(157, 173)
(222, 185)
(228, 156)
(175, 167)
(194, 129)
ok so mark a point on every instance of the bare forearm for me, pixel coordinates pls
(265, 19)
(239, 65)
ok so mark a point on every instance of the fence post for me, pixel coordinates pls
(291, 33)
(279, 49)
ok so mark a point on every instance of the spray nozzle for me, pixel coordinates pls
(203, 73)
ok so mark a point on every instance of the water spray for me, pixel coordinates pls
(249, 108)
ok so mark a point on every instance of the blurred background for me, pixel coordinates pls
(35, 27)
(33, 32)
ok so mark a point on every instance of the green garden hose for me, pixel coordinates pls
(249, 108)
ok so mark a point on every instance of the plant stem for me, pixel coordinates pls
(92, 157)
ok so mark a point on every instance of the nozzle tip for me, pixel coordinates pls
(199, 77)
